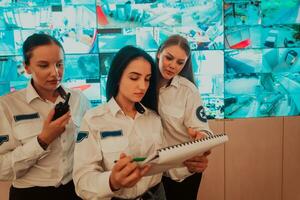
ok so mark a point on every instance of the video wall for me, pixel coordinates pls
(245, 53)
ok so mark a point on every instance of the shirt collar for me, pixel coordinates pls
(115, 108)
(32, 94)
(174, 82)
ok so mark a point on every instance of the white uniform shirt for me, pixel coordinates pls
(22, 160)
(104, 134)
(180, 107)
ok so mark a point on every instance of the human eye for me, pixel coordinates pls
(59, 65)
(180, 63)
(134, 77)
(168, 57)
(148, 78)
(43, 65)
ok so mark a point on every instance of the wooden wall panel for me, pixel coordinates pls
(4, 189)
(291, 158)
(212, 184)
(253, 159)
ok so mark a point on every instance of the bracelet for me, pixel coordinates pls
(43, 144)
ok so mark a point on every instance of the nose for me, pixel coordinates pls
(54, 71)
(172, 64)
(142, 85)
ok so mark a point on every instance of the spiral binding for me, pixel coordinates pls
(191, 142)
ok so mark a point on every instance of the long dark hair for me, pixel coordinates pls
(35, 40)
(187, 70)
(119, 63)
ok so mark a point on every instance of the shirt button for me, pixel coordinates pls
(64, 141)
(64, 160)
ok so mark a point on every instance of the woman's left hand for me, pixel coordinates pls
(197, 164)
(194, 134)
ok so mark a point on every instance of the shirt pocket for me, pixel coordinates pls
(113, 144)
(27, 129)
(112, 147)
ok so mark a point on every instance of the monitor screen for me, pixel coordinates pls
(245, 54)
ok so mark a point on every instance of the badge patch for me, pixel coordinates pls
(105, 134)
(4, 138)
(26, 116)
(81, 136)
(200, 113)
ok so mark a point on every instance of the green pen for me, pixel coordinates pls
(136, 159)
(139, 159)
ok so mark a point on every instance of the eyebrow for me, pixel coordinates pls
(44, 61)
(180, 59)
(136, 73)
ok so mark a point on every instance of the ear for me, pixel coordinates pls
(27, 68)
(157, 56)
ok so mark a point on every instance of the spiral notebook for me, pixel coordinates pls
(173, 156)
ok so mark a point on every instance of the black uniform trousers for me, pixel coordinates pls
(188, 188)
(157, 192)
(63, 192)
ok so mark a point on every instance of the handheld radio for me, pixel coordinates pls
(62, 108)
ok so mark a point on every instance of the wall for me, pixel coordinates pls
(4, 187)
(260, 161)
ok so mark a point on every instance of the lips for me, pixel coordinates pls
(53, 81)
(139, 94)
(169, 73)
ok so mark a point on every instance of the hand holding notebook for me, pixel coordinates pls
(173, 156)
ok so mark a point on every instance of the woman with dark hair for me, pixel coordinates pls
(36, 150)
(124, 128)
(183, 119)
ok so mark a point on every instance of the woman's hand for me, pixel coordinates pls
(195, 134)
(126, 173)
(198, 163)
(53, 129)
